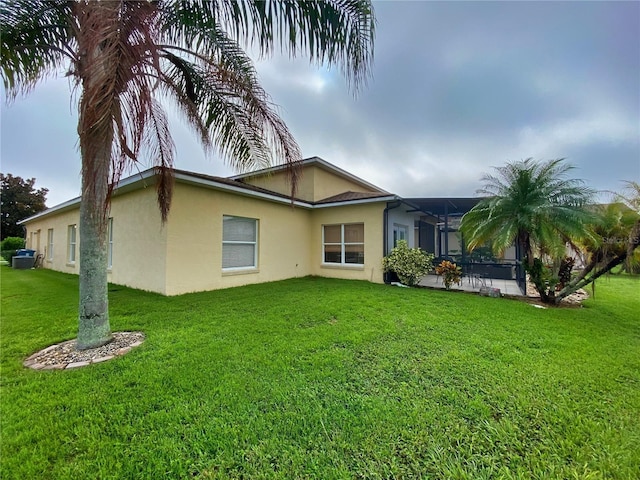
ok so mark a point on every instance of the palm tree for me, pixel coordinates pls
(127, 56)
(534, 206)
(612, 239)
(631, 199)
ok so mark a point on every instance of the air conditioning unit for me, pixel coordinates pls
(23, 262)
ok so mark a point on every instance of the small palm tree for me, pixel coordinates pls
(613, 239)
(534, 206)
(631, 199)
(127, 56)
(612, 235)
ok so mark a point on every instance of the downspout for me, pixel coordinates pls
(385, 240)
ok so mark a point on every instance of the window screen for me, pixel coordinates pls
(239, 242)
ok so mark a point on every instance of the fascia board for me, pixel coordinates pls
(62, 207)
(391, 198)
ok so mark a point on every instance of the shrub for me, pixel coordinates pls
(12, 243)
(9, 245)
(410, 264)
(451, 273)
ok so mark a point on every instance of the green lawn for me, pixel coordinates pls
(319, 378)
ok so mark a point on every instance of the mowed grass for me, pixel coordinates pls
(320, 378)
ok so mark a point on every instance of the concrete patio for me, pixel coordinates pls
(474, 283)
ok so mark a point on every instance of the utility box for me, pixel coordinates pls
(21, 262)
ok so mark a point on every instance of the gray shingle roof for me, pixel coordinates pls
(350, 196)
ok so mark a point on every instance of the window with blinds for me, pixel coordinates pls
(343, 244)
(239, 242)
(71, 243)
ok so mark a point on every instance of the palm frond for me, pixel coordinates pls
(120, 52)
(229, 108)
(532, 203)
(631, 195)
(118, 104)
(336, 32)
(37, 39)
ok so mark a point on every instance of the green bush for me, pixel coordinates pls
(12, 243)
(410, 264)
(9, 245)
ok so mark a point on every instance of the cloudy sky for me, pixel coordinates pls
(457, 88)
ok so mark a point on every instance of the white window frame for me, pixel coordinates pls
(400, 231)
(342, 245)
(50, 245)
(33, 242)
(253, 243)
(110, 243)
(72, 240)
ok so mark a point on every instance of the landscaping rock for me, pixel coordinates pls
(65, 355)
(575, 299)
(490, 292)
(78, 364)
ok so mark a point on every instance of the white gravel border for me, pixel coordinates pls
(65, 355)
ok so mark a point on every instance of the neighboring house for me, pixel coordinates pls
(225, 232)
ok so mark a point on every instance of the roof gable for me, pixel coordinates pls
(320, 179)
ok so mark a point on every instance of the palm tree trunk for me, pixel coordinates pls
(96, 68)
(533, 269)
(525, 247)
(93, 322)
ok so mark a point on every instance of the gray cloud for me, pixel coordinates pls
(458, 87)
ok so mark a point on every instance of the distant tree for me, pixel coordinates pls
(19, 200)
(536, 206)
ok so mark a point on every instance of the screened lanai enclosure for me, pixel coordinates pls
(437, 232)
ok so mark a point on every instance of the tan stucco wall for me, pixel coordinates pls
(315, 184)
(139, 241)
(372, 215)
(194, 255)
(279, 183)
(185, 255)
(327, 184)
(59, 223)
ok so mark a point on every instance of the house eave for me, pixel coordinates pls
(139, 180)
(62, 207)
(123, 186)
